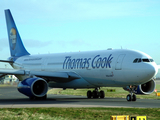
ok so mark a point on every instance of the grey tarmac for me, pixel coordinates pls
(11, 98)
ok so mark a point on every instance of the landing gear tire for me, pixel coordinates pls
(134, 97)
(89, 94)
(128, 97)
(95, 94)
(102, 94)
(131, 97)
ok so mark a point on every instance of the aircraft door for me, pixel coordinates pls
(119, 62)
(44, 64)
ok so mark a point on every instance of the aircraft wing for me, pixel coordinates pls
(48, 75)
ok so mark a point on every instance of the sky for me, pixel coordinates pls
(56, 26)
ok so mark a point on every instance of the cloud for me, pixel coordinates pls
(36, 43)
(28, 43)
(35, 46)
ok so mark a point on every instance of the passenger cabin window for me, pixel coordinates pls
(138, 60)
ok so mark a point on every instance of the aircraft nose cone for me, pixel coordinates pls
(151, 71)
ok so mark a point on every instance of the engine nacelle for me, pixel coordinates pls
(146, 88)
(33, 87)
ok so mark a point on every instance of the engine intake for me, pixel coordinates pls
(146, 88)
(33, 87)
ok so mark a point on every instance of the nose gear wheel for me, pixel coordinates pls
(131, 96)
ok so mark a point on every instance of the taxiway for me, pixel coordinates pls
(11, 98)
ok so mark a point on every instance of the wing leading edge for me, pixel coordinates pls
(50, 76)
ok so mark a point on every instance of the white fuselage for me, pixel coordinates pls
(96, 68)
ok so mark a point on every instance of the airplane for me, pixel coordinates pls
(130, 69)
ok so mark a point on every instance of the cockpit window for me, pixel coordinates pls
(135, 60)
(151, 60)
(145, 60)
(138, 60)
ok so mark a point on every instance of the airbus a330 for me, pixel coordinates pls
(130, 69)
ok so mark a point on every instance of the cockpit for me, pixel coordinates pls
(138, 60)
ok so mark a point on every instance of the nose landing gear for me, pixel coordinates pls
(95, 94)
(131, 96)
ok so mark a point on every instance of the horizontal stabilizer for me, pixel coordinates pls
(8, 61)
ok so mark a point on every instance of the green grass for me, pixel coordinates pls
(75, 113)
(81, 113)
(119, 92)
(4, 85)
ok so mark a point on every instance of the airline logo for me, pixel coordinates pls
(13, 38)
(85, 63)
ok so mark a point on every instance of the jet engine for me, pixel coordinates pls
(33, 87)
(144, 89)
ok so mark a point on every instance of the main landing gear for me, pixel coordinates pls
(131, 96)
(95, 94)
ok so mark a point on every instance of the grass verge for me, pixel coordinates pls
(74, 113)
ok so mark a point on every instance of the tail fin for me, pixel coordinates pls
(17, 48)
